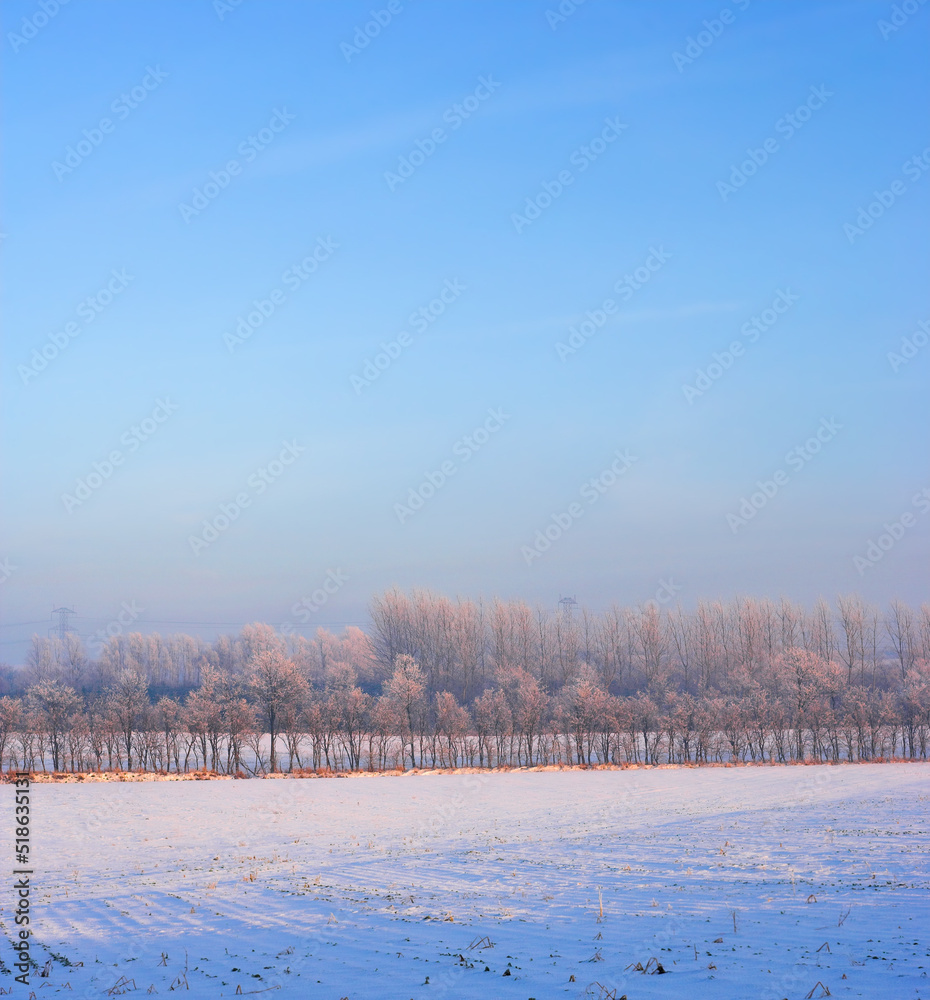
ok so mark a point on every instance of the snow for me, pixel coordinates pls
(365, 886)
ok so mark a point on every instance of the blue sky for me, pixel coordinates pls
(109, 238)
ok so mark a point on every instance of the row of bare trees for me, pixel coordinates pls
(443, 684)
(460, 645)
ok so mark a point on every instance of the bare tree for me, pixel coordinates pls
(451, 727)
(613, 645)
(899, 627)
(43, 660)
(852, 648)
(392, 630)
(406, 689)
(650, 645)
(167, 717)
(530, 707)
(10, 712)
(494, 726)
(584, 705)
(128, 703)
(55, 704)
(349, 706)
(470, 649)
(274, 682)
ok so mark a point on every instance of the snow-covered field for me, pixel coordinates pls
(742, 882)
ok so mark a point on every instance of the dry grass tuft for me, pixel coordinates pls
(824, 991)
(652, 968)
(604, 992)
(121, 986)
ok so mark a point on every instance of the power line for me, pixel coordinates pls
(158, 621)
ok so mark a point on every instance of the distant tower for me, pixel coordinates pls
(568, 604)
(63, 627)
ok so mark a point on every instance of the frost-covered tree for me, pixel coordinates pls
(274, 682)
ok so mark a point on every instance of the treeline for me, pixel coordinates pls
(444, 683)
